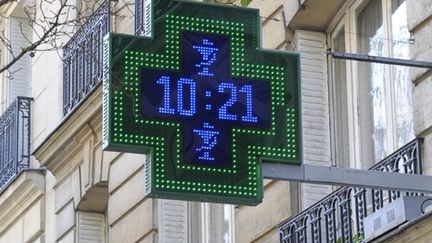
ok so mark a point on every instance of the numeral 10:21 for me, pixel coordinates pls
(184, 84)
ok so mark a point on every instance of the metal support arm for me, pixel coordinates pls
(347, 177)
(377, 59)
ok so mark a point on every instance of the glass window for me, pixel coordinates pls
(340, 89)
(371, 79)
(380, 102)
(400, 49)
(210, 222)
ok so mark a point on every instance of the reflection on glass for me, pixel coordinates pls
(371, 103)
(374, 80)
(400, 48)
(376, 45)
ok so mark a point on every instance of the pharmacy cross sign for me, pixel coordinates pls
(203, 101)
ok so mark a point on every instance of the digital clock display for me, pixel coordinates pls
(205, 99)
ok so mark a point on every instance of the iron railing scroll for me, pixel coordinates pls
(338, 218)
(82, 58)
(14, 140)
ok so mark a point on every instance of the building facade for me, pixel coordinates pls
(58, 185)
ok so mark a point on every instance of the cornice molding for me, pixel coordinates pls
(68, 138)
(8, 8)
(28, 187)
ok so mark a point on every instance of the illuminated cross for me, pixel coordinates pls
(204, 100)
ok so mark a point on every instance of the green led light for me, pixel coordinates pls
(147, 135)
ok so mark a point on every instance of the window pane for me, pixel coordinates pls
(400, 48)
(371, 79)
(340, 106)
(220, 222)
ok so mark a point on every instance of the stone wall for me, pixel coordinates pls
(420, 26)
(88, 179)
(22, 209)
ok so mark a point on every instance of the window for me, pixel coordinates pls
(372, 110)
(18, 76)
(181, 221)
(340, 100)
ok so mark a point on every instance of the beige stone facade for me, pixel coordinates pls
(75, 192)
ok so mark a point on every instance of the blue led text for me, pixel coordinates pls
(223, 113)
(247, 89)
(166, 109)
(192, 97)
(182, 83)
(190, 109)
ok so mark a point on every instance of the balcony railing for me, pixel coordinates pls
(143, 12)
(14, 140)
(339, 216)
(82, 59)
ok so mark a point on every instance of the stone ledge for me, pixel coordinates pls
(21, 193)
(65, 140)
(419, 12)
(8, 8)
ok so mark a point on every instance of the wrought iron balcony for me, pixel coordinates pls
(339, 216)
(82, 59)
(14, 140)
(143, 14)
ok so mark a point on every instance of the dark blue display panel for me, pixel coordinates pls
(207, 101)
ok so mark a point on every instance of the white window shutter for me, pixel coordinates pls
(315, 108)
(20, 72)
(91, 227)
(173, 221)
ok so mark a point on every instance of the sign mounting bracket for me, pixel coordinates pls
(337, 176)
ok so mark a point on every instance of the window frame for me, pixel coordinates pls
(346, 20)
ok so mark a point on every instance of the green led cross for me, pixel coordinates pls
(168, 175)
